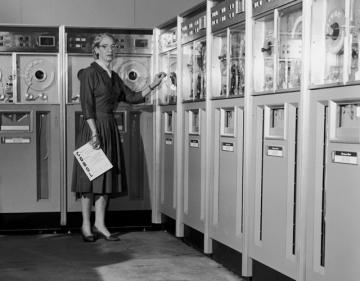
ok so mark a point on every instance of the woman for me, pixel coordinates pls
(100, 91)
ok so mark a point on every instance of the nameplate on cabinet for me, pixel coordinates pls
(275, 151)
(345, 157)
(227, 146)
(195, 143)
(16, 140)
(168, 141)
(15, 128)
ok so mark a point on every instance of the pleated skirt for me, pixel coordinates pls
(112, 182)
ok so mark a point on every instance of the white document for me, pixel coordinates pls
(93, 161)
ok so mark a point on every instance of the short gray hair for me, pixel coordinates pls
(96, 42)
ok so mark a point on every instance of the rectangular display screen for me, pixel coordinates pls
(141, 43)
(46, 41)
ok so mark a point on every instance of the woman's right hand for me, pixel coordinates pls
(95, 141)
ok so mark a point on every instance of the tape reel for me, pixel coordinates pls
(134, 74)
(39, 75)
(296, 31)
(335, 33)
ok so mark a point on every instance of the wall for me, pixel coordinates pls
(97, 13)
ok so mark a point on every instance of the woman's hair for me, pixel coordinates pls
(97, 40)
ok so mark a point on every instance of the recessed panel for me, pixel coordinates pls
(37, 79)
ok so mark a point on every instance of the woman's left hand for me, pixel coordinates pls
(158, 78)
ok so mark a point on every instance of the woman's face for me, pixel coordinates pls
(106, 50)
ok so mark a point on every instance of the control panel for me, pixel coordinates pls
(261, 6)
(167, 39)
(227, 13)
(29, 64)
(194, 28)
(79, 41)
(29, 40)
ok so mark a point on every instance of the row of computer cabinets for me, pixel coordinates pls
(258, 132)
(40, 115)
(283, 189)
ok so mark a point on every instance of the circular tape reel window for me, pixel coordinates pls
(134, 74)
(39, 75)
(334, 29)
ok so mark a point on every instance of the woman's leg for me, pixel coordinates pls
(86, 212)
(100, 208)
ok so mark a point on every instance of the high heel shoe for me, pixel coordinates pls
(88, 238)
(99, 234)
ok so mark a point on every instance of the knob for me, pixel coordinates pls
(30, 97)
(43, 96)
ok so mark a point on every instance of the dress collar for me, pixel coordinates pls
(103, 66)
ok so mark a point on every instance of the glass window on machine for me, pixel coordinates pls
(219, 65)
(187, 72)
(263, 50)
(199, 89)
(290, 48)
(172, 76)
(167, 89)
(354, 71)
(237, 62)
(327, 49)
(163, 90)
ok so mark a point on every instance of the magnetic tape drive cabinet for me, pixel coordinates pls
(132, 62)
(193, 85)
(167, 55)
(227, 91)
(29, 120)
(332, 251)
(277, 49)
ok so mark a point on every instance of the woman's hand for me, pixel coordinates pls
(158, 78)
(95, 141)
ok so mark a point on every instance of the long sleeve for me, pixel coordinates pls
(87, 98)
(129, 95)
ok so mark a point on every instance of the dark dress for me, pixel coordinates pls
(99, 96)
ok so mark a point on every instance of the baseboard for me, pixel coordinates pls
(194, 238)
(228, 257)
(50, 222)
(262, 272)
(168, 224)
